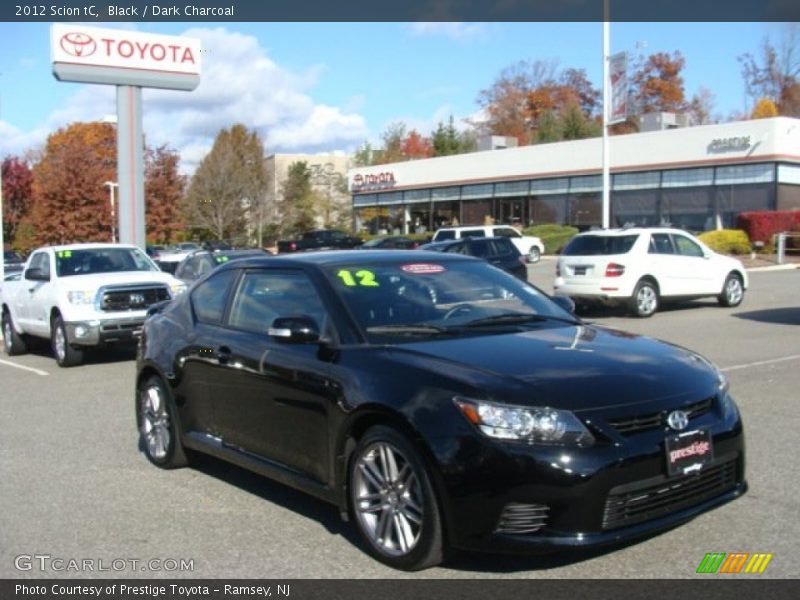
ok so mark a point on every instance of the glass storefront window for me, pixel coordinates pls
(548, 209)
(635, 208)
(446, 214)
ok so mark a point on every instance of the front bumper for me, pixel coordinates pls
(580, 498)
(104, 331)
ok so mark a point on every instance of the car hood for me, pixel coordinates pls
(575, 367)
(96, 280)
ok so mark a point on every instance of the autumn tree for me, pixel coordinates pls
(701, 106)
(764, 109)
(414, 146)
(658, 83)
(775, 72)
(17, 184)
(163, 191)
(70, 199)
(229, 184)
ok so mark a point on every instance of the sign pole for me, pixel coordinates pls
(130, 166)
(606, 110)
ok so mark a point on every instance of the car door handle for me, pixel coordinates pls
(223, 355)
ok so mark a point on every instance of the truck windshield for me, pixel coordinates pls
(101, 260)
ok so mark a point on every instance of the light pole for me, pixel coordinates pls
(111, 185)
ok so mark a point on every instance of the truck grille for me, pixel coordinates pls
(671, 495)
(133, 298)
(519, 518)
(638, 423)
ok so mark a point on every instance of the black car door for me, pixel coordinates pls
(272, 398)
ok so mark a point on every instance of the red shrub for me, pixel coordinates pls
(762, 225)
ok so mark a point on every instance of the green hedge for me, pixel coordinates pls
(554, 237)
(727, 241)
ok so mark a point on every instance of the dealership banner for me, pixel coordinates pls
(399, 589)
(618, 75)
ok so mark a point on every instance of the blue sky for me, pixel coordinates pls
(329, 86)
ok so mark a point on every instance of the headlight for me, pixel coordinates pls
(722, 381)
(177, 288)
(534, 425)
(80, 297)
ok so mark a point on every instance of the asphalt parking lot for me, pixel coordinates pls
(75, 486)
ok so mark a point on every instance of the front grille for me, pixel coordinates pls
(669, 496)
(133, 298)
(519, 518)
(638, 423)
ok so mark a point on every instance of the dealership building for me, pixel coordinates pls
(696, 178)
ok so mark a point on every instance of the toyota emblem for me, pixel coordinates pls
(678, 420)
(78, 44)
(136, 299)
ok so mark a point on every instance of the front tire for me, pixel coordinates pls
(13, 342)
(158, 425)
(393, 502)
(732, 291)
(534, 255)
(644, 302)
(66, 355)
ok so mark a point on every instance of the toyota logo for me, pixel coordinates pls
(678, 420)
(78, 44)
(136, 299)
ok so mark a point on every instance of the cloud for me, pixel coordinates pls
(458, 31)
(240, 83)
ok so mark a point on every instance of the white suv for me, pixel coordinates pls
(643, 267)
(529, 246)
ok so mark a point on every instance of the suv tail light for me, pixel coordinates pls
(614, 270)
(293, 246)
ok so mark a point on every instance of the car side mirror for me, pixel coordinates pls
(36, 275)
(564, 302)
(295, 330)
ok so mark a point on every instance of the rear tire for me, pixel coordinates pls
(732, 291)
(393, 502)
(644, 302)
(66, 355)
(13, 342)
(534, 255)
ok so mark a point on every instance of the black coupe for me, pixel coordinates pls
(438, 402)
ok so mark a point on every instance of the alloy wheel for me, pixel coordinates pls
(61, 344)
(646, 300)
(7, 339)
(733, 291)
(155, 423)
(388, 499)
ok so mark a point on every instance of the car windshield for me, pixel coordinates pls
(438, 296)
(101, 260)
(599, 245)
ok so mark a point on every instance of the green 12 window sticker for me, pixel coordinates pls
(361, 277)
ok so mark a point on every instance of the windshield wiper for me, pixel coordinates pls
(407, 329)
(515, 318)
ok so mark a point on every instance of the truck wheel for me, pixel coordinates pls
(66, 355)
(14, 343)
(534, 255)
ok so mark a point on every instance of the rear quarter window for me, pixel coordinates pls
(600, 245)
(473, 233)
(444, 235)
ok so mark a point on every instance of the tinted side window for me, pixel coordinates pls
(264, 296)
(473, 233)
(456, 249)
(445, 235)
(210, 297)
(687, 247)
(661, 244)
(480, 249)
(506, 232)
(504, 246)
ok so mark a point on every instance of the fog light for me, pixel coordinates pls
(81, 331)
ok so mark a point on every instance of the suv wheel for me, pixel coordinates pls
(732, 291)
(66, 355)
(644, 302)
(393, 502)
(534, 255)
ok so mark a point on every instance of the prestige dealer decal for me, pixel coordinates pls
(148, 590)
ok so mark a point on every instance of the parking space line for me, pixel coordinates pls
(761, 362)
(24, 368)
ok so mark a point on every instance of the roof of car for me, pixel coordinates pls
(632, 230)
(461, 227)
(88, 246)
(345, 257)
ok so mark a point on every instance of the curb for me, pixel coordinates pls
(786, 267)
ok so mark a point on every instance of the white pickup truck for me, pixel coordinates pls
(80, 296)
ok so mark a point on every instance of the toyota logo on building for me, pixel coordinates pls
(78, 44)
(678, 420)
